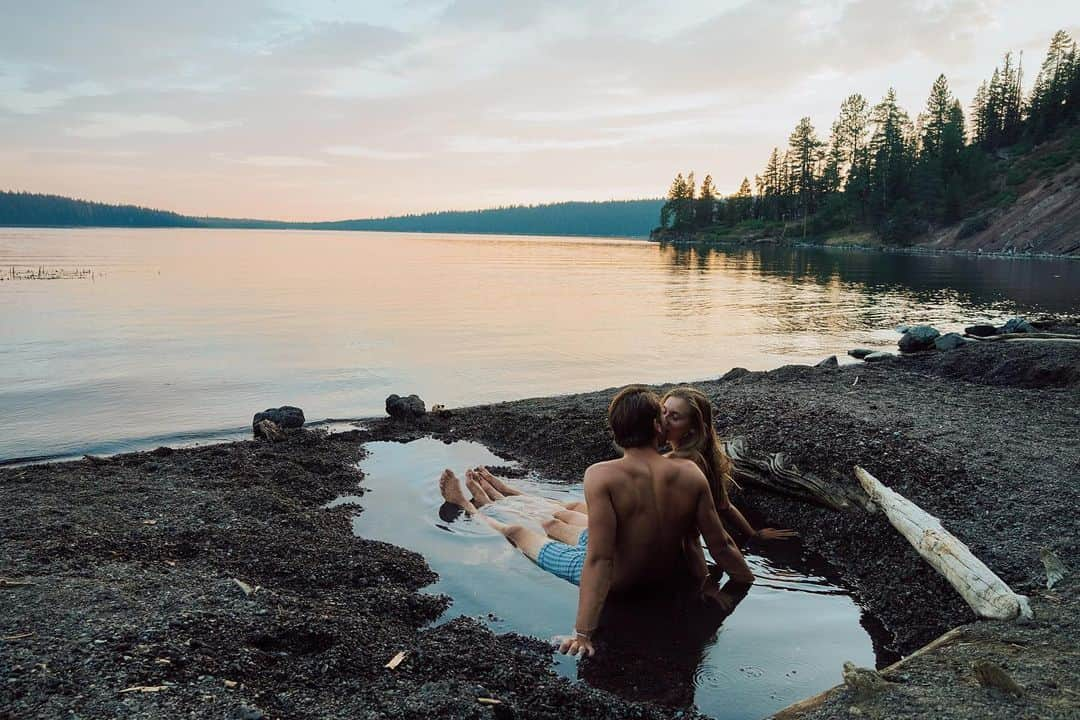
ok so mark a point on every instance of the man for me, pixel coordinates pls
(642, 509)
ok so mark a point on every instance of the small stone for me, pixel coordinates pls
(829, 362)
(951, 341)
(286, 416)
(860, 353)
(405, 408)
(246, 712)
(1016, 325)
(981, 330)
(920, 337)
(878, 356)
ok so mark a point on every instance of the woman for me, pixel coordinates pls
(689, 430)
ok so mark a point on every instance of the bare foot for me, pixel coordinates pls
(480, 498)
(450, 487)
(489, 490)
(496, 483)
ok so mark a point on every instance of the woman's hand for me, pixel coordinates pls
(774, 534)
(578, 644)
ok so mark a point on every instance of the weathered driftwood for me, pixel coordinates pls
(1027, 336)
(774, 472)
(985, 592)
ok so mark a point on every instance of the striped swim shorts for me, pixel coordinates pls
(564, 561)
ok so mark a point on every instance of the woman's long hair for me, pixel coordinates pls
(702, 445)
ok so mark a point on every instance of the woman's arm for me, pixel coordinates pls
(732, 515)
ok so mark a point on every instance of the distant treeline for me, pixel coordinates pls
(607, 218)
(883, 172)
(33, 210)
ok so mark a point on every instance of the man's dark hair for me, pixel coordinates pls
(633, 414)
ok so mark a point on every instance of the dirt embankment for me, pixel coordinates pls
(1038, 207)
(124, 568)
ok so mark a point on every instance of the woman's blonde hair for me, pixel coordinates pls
(702, 445)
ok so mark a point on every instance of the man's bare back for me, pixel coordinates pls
(642, 508)
(656, 503)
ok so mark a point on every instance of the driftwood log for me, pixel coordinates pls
(773, 471)
(987, 594)
(1026, 336)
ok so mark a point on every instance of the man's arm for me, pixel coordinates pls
(723, 549)
(599, 566)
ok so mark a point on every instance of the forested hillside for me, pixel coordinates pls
(903, 180)
(34, 210)
(610, 218)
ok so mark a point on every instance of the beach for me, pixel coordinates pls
(121, 595)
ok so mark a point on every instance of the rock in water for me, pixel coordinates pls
(951, 341)
(405, 408)
(829, 362)
(1016, 325)
(878, 356)
(981, 330)
(285, 416)
(920, 337)
(860, 353)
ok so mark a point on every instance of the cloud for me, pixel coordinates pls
(485, 100)
(110, 125)
(359, 151)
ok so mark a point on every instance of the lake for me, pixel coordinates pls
(177, 336)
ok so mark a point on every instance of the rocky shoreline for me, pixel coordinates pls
(120, 595)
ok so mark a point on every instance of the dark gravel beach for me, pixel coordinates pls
(119, 573)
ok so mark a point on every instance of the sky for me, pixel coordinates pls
(333, 109)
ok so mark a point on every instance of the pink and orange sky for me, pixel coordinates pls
(330, 109)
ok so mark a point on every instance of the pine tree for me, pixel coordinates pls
(979, 120)
(938, 108)
(890, 152)
(742, 202)
(806, 156)
(1050, 97)
(705, 213)
(849, 134)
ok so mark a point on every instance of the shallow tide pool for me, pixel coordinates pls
(786, 640)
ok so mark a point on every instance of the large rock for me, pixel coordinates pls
(860, 353)
(1017, 325)
(920, 337)
(285, 416)
(981, 330)
(951, 341)
(878, 356)
(405, 408)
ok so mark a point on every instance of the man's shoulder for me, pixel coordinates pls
(686, 470)
(604, 469)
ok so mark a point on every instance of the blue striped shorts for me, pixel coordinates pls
(564, 561)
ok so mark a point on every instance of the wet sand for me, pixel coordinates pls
(129, 562)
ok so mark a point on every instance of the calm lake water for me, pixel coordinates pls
(786, 640)
(180, 335)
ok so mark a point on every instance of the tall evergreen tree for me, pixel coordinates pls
(705, 213)
(805, 149)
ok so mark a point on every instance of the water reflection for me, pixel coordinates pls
(184, 331)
